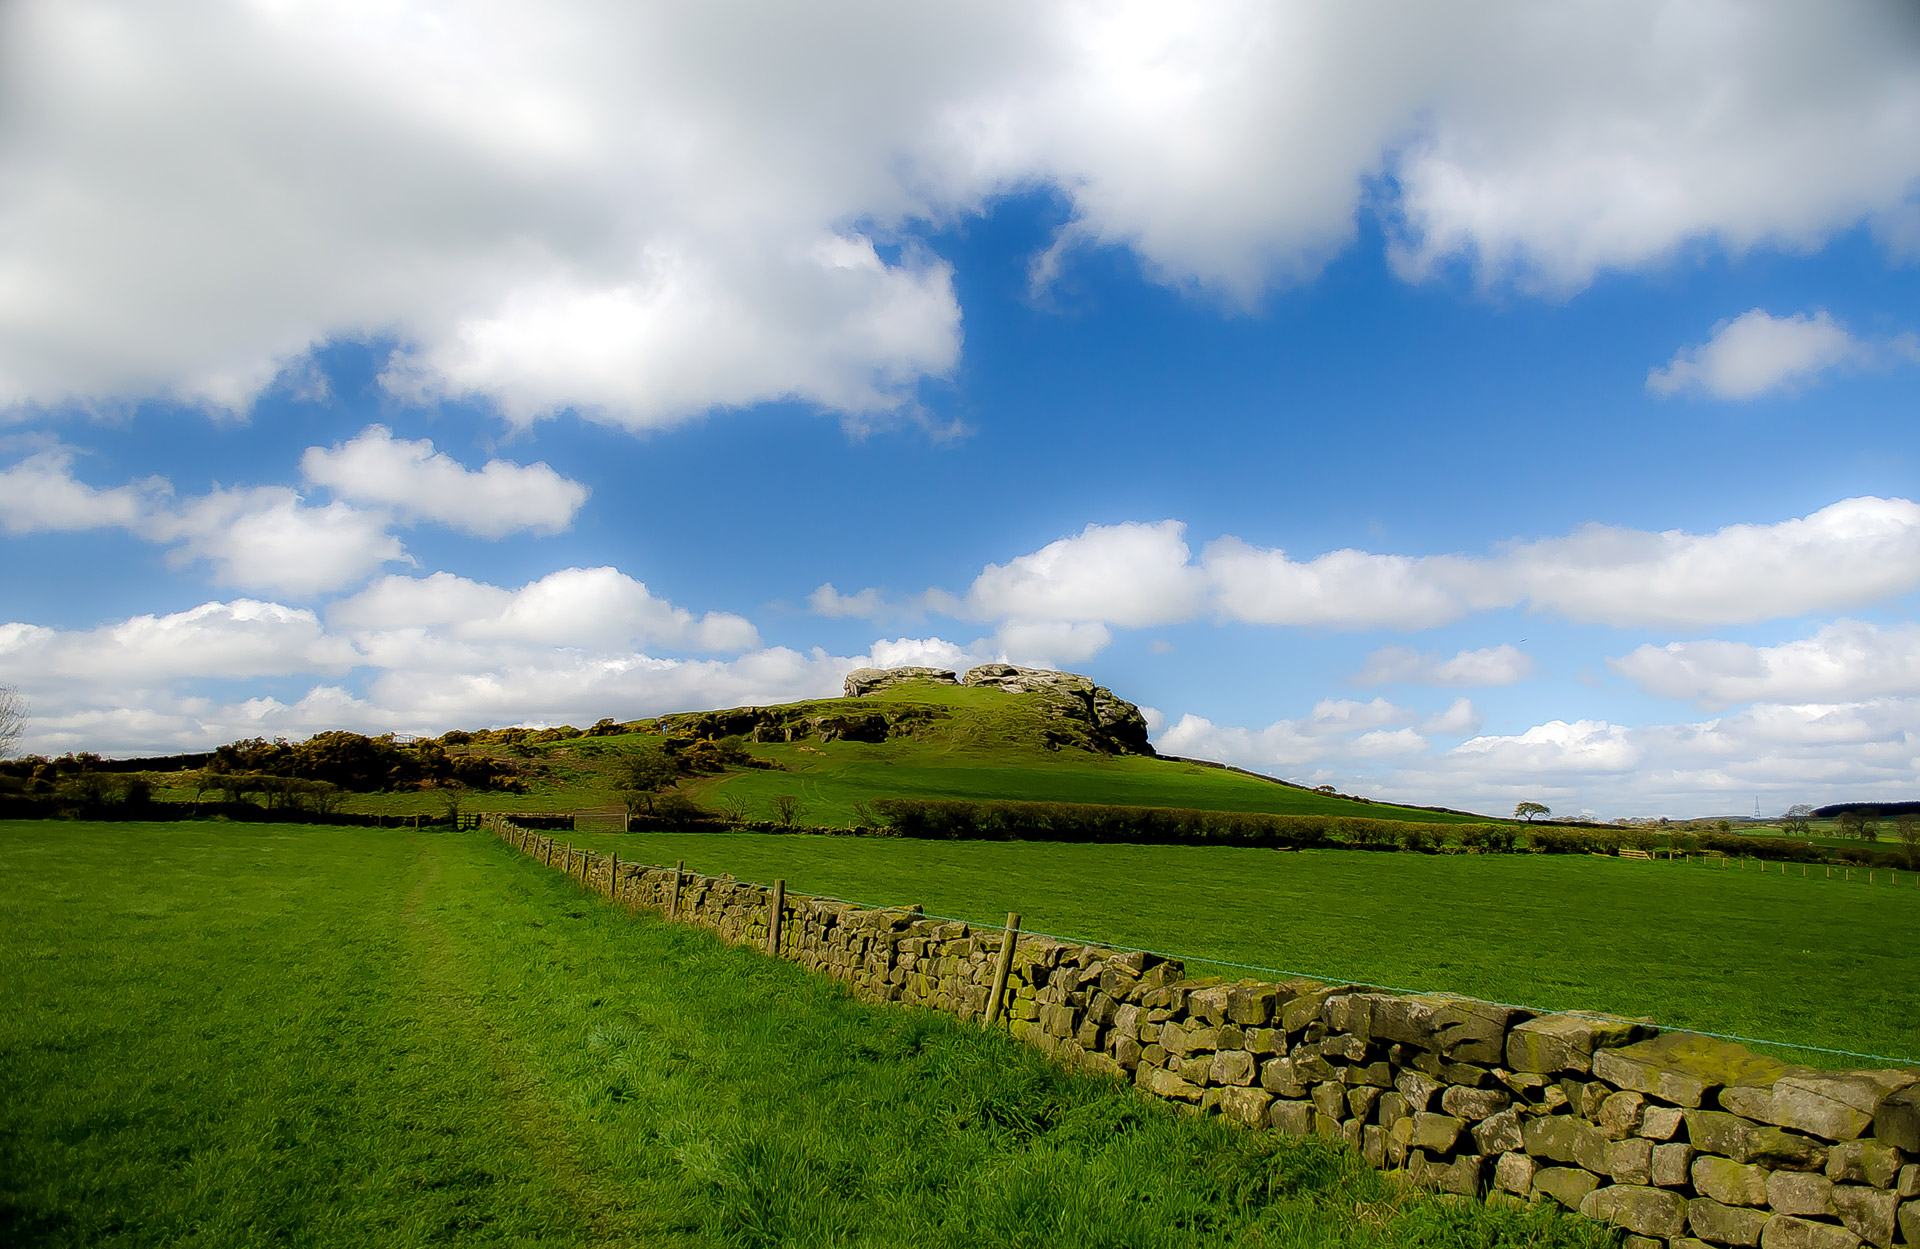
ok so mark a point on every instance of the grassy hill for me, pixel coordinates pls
(945, 741)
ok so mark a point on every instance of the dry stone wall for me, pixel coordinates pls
(1678, 1139)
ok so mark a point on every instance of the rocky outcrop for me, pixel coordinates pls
(1113, 724)
(871, 680)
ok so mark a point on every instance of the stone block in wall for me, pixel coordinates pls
(1498, 1134)
(1376, 1075)
(1864, 1162)
(1461, 1175)
(1330, 1100)
(1469, 1031)
(1734, 1183)
(1474, 1105)
(1908, 1185)
(1127, 1051)
(1361, 1101)
(1163, 1083)
(1551, 1137)
(1417, 1088)
(1683, 1067)
(1328, 1128)
(1801, 1192)
(1909, 1221)
(1630, 1161)
(1897, 1122)
(1784, 1231)
(1784, 1150)
(1232, 1067)
(1277, 1077)
(1643, 1211)
(1267, 1040)
(1373, 1146)
(1245, 1105)
(1839, 1106)
(1303, 1009)
(1866, 1212)
(1253, 1005)
(1725, 1225)
(1552, 1044)
(1513, 1172)
(1672, 1165)
(1089, 1035)
(1621, 1115)
(1391, 1108)
(1567, 1185)
(1659, 1123)
(1295, 1118)
(1436, 1132)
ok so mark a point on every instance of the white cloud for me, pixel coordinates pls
(1756, 354)
(435, 619)
(40, 494)
(269, 538)
(1459, 717)
(1336, 731)
(1051, 643)
(644, 211)
(1847, 659)
(1132, 575)
(1781, 753)
(868, 604)
(411, 479)
(237, 640)
(1489, 666)
(1848, 554)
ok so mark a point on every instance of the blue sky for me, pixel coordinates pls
(1519, 405)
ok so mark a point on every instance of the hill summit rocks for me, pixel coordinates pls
(1108, 723)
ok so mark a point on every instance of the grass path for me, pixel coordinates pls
(1825, 963)
(228, 1035)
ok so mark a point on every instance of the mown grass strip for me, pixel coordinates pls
(225, 1035)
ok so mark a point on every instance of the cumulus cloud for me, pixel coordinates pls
(1854, 552)
(269, 538)
(412, 479)
(590, 608)
(1504, 664)
(1847, 659)
(1051, 643)
(1782, 753)
(868, 604)
(1132, 575)
(1337, 731)
(40, 495)
(1757, 354)
(644, 211)
(241, 639)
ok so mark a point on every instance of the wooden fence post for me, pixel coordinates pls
(1002, 966)
(778, 904)
(613, 880)
(673, 899)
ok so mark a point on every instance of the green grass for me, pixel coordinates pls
(234, 1035)
(989, 745)
(1801, 959)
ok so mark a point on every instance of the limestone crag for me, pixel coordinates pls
(871, 680)
(1679, 1140)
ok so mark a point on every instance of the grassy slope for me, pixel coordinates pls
(227, 1035)
(987, 747)
(1805, 959)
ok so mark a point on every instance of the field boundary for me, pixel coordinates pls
(1616, 1118)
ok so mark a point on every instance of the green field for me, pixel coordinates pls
(222, 1034)
(1789, 957)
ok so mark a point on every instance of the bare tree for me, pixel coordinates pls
(13, 719)
(786, 809)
